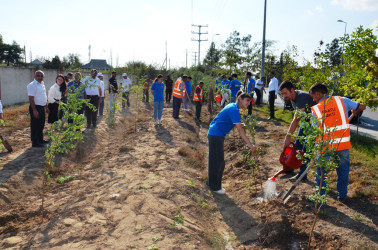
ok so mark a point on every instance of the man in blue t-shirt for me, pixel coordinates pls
(188, 90)
(250, 89)
(234, 86)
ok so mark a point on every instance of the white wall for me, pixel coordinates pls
(13, 82)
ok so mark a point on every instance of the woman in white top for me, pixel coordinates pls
(53, 99)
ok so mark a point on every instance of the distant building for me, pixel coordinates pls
(36, 64)
(96, 64)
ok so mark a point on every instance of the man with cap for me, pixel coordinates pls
(125, 86)
(93, 93)
(102, 96)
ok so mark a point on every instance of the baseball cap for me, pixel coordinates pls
(100, 74)
(124, 74)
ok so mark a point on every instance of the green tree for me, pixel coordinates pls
(212, 57)
(72, 61)
(360, 66)
(333, 52)
(10, 53)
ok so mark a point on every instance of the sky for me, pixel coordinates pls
(123, 31)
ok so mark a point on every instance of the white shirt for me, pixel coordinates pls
(257, 84)
(273, 85)
(54, 93)
(1, 107)
(102, 85)
(92, 85)
(37, 90)
(126, 83)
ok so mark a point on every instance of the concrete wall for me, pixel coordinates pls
(13, 82)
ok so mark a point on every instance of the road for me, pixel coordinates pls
(369, 120)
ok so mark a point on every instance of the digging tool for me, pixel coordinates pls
(285, 195)
(6, 144)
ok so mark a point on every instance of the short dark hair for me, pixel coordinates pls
(69, 74)
(224, 76)
(272, 72)
(201, 83)
(113, 72)
(189, 77)
(286, 85)
(235, 75)
(318, 87)
(184, 77)
(249, 74)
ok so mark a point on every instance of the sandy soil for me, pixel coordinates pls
(135, 184)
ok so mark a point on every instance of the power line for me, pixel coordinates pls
(199, 39)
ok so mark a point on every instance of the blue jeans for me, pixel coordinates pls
(112, 97)
(158, 109)
(342, 174)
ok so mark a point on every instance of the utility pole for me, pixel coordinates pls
(195, 58)
(263, 44)
(186, 58)
(166, 55)
(199, 39)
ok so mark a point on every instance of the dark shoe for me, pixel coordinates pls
(176, 118)
(94, 126)
(271, 118)
(342, 199)
(296, 177)
(38, 145)
(45, 142)
(88, 126)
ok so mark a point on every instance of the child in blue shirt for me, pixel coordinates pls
(235, 85)
(157, 90)
(222, 124)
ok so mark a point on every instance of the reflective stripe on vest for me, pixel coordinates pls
(195, 97)
(176, 91)
(336, 123)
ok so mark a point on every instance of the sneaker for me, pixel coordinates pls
(156, 122)
(220, 191)
(296, 177)
(159, 122)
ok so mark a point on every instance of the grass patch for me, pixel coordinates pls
(280, 114)
(194, 157)
(16, 117)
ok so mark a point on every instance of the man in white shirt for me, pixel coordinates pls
(125, 86)
(273, 91)
(102, 97)
(259, 90)
(93, 93)
(37, 108)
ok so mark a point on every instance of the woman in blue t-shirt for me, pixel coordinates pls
(222, 124)
(157, 90)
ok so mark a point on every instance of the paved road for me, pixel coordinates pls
(369, 120)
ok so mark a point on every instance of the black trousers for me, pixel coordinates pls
(216, 161)
(53, 112)
(146, 95)
(92, 114)
(258, 96)
(168, 95)
(176, 107)
(37, 125)
(198, 109)
(272, 95)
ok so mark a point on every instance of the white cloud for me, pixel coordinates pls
(357, 5)
(310, 12)
(319, 8)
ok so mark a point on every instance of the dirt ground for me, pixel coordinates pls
(144, 187)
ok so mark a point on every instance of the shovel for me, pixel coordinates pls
(285, 195)
(6, 144)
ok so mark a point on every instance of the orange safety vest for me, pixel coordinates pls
(336, 123)
(176, 90)
(195, 97)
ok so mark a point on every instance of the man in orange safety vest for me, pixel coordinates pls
(178, 95)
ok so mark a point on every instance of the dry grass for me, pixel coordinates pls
(194, 157)
(16, 117)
